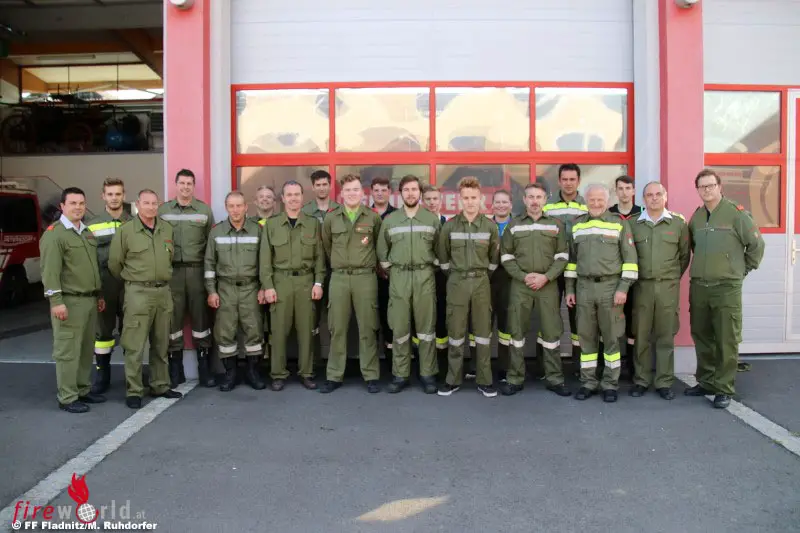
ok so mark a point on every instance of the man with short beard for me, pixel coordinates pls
(406, 250)
(265, 204)
(103, 227)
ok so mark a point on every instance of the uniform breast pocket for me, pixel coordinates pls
(138, 247)
(338, 234)
(307, 243)
(670, 237)
(279, 241)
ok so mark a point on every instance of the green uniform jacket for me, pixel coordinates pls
(68, 262)
(466, 246)
(662, 248)
(727, 245)
(407, 241)
(602, 247)
(565, 211)
(232, 254)
(190, 228)
(293, 249)
(103, 227)
(351, 244)
(539, 246)
(139, 255)
(312, 210)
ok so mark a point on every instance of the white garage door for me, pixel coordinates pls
(275, 41)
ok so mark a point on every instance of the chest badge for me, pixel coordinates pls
(365, 240)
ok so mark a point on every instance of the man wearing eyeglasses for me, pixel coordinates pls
(727, 245)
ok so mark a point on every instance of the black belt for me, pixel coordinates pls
(82, 294)
(187, 264)
(411, 267)
(599, 279)
(239, 282)
(658, 279)
(151, 284)
(294, 273)
(352, 271)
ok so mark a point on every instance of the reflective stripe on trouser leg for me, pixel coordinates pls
(197, 304)
(177, 288)
(423, 302)
(467, 298)
(501, 286)
(226, 323)
(249, 314)
(546, 302)
(113, 291)
(587, 325)
(611, 319)
(519, 318)
(399, 318)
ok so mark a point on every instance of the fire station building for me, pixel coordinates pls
(262, 91)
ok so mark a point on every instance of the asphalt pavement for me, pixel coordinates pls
(350, 461)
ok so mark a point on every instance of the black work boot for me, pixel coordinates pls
(175, 368)
(252, 376)
(229, 380)
(204, 374)
(102, 376)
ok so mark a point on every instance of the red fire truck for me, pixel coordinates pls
(20, 231)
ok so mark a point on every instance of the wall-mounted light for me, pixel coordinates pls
(182, 4)
(686, 3)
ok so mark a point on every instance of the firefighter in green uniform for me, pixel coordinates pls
(534, 252)
(103, 227)
(292, 270)
(349, 234)
(727, 245)
(231, 274)
(320, 206)
(407, 251)
(141, 255)
(566, 205)
(662, 246)
(265, 206)
(71, 280)
(501, 284)
(469, 251)
(191, 221)
(602, 267)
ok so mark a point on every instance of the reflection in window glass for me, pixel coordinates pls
(758, 189)
(485, 119)
(251, 178)
(382, 120)
(742, 122)
(282, 121)
(605, 174)
(581, 119)
(393, 172)
(512, 178)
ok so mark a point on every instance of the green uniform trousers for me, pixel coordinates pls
(596, 311)
(573, 322)
(113, 294)
(147, 317)
(522, 302)
(655, 314)
(412, 294)
(189, 292)
(716, 321)
(469, 292)
(353, 289)
(238, 308)
(501, 294)
(294, 307)
(319, 306)
(72, 347)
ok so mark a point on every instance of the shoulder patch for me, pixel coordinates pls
(740, 207)
(676, 214)
(50, 227)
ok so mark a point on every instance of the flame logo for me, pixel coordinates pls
(79, 492)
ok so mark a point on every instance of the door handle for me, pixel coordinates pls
(795, 249)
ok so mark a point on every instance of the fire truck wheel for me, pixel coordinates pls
(13, 287)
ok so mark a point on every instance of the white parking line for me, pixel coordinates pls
(760, 423)
(58, 480)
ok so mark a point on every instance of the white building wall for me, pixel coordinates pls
(273, 41)
(751, 41)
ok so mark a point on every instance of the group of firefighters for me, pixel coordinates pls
(410, 276)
